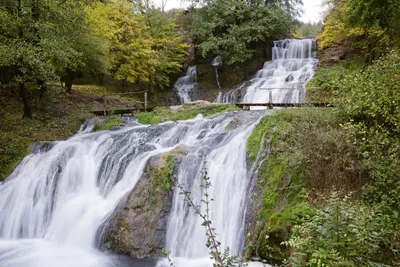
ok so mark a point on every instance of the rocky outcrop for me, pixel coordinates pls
(138, 229)
(335, 53)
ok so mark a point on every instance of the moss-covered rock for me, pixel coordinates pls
(138, 229)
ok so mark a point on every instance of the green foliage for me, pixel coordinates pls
(162, 177)
(186, 112)
(370, 103)
(303, 152)
(325, 85)
(360, 23)
(345, 234)
(107, 124)
(376, 13)
(42, 41)
(228, 28)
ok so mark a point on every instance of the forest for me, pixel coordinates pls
(323, 184)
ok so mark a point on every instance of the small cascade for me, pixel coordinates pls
(186, 85)
(216, 63)
(281, 80)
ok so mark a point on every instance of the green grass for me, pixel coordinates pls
(188, 111)
(57, 116)
(310, 155)
(162, 177)
(108, 123)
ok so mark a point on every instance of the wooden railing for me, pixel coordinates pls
(144, 102)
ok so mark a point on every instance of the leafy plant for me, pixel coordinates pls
(344, 233)
(370, 105)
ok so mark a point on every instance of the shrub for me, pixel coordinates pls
(345, 234)
(370, 104)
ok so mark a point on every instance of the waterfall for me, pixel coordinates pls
(281, 80)
(186, 85)
(55, 202)
(216, 63)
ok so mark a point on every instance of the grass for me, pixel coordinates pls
(186, 112)
(162, 177)
(309, 156)
(108, 123)
(57, 116)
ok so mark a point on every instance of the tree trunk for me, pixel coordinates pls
(27, 107)
(42, 88)
(69, 78)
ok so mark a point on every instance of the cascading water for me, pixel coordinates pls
(57, 200)
(216, 63)
(284, 77)
(186, 85)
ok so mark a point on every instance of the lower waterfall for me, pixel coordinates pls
(56, 202)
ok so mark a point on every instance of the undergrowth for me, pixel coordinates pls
(308, 156)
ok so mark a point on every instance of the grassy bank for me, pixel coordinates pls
(185, 112)
(308, 156)
(57, 116)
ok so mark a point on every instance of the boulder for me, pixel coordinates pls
(138, 229)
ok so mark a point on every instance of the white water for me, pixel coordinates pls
(186, 85)
(217, 62)
(55, 203)
(284, 77)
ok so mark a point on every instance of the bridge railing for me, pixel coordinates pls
(144, 102)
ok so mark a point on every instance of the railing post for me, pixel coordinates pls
(104, 105)
(270, 98)
(145, 101)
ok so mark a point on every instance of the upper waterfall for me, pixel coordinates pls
(284, 77)
(186, 85)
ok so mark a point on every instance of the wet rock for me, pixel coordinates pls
(138, 229)
(42, 147)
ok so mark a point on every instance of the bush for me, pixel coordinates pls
(346, 234)
(370, 104)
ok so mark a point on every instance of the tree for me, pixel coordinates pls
(27, 39)
(383, 14)
(370, 41)
(228, 28)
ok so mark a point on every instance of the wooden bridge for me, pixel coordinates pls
(126, 110)
(247, 106)
(271, 105)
